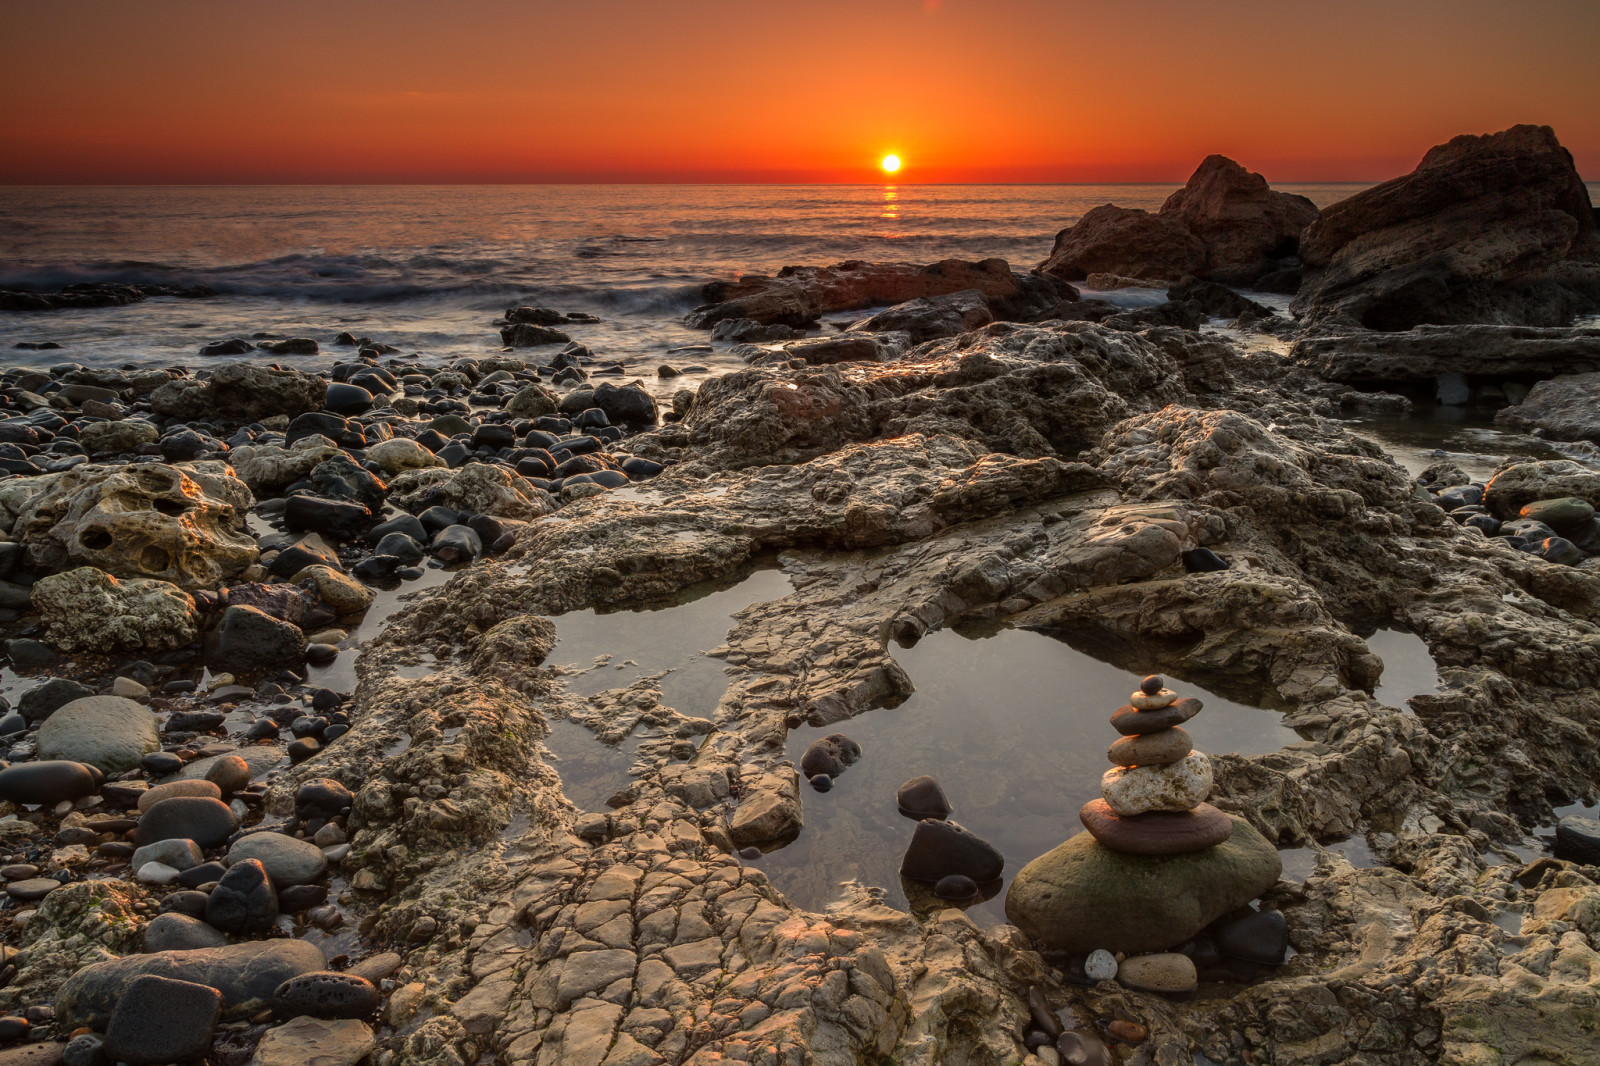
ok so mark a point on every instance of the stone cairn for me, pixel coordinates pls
(1153, 800)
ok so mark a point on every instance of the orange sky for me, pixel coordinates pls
(765, 90)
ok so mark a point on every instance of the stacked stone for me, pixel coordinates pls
(1154, 799)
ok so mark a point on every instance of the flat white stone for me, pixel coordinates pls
(1165, 698)
(1101, 965)
(1181, 786)
(157, 873)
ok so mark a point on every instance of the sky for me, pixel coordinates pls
(200, 91)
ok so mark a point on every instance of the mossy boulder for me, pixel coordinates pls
(1082, 895)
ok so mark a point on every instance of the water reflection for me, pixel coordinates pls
(1408, 668)
(891, 202)
(1014, 726)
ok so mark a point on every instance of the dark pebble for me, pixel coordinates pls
(921, 797)
(1261, 937)
(158, 1019)
(243, 901)
(46, 783)
(161, 763)
(1202, 560)
(326, 994)
(205, 821)
(1151, 685)
(939, 849)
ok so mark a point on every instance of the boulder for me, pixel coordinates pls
(769, 809)
(797, 296)
(1241, 221)
(241, 391)
(109, 733)
(530, 401)
(478, 487)
(249, 640)
(1425, 353)
(268, 468)
(941, 849)
(626, 405)
(158, 1019)
(246, 975)
(825, 351)
(1565, 408)
(1517, 484)
(110, 438)
(399, 454)
(288, 860)
(183, 524)
(1497, 229)
(932, 317)
(86, 609)
(1128, 241)
(1082, 895)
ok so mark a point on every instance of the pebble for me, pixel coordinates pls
(159, 1020)
(157, 873)
(1151, 684)
(161, 763)
(1128, 1032)
(48, 782)
(13, 1028)
(1578, 840)
(173, 789)
(326, 994)
(1153, 701)
(1130, 721)
(921, 797)
(1043, 1017)
(939, 849)
(1101, 965)
(244, 900)
(1163, 972)
(1156, 832)
(32, 888)
(206, 821)
(1079, 1048)
(229, 773)
(1182, 786)
(1261, 937)
(1151, 749)
(175, 931)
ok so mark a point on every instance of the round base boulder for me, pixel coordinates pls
(1082, 895)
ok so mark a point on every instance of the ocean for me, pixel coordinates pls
(429, 268)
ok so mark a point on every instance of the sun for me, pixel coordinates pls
(890, 164)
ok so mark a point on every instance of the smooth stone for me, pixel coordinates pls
(174, 789)
(1082, 895)
(315, 1042)
(203, 874)
(175, 931)
(956, 887)
(41, 701)
(1151, 684)
(1578, 840)
(1130, 721)
(1165, 972)
(1202, 561)
(1567, 513)
(376, 967)
(326, 994)
(1152, 701)
(1261, 937)
(1156, 832)
(206, 821)
(177, 853)
(244, 900)
(1101, 965)
(248, 640)
(229, 773)
(921, 797)
(110, 733)
(939, 849)
(1151, 749)
(191, 902)
(161, 763)
(160, 1020)
(322, 796)
(1043, 1017)
(288, 860)
(1182, 786)
(298, 898)
(156, 873)
(1080, 1048)
(46, 783)
(259, 757)
(32, 888)
(246, 975)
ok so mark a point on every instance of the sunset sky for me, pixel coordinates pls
(808, 90)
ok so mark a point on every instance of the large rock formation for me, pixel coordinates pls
(1497, 228)
(1421, 354)
(798, 295)
(1225, 223)
(1566, 408)
(242, 391)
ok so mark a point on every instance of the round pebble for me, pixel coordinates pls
(1151, 685)
(1101, 965)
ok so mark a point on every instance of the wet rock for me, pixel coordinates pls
(829, 755)
(249, 641)
(826, 351)
(340, 478)
(1495, 228)
(321, 797)
(400, 454)
(111, 438)
(1083, 896)
(930, 318)
(1517, 484)
(769, 809)
(1578, 840)
(41, 701)
(456, 544)
(110, 733)
(288, 861)
(179, 932)
(1261, 937)
(326, 994)
(1100, 965)
(531, 335)
(245, 974)
(340, 592)
(798, 295)
(244, 901)
(939, 849)
(46, 783)
(229, 773)
(921, 797)
(1202, 561)
(242, 391)
(208, 822)
(160, 1020)
(88, 609)
(1127, 241)
(1240, 220)
(344, 399)
(182, 525)
(173, 789)
(481, 488)
(340, 519)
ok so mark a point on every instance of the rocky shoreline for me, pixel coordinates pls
(211, 853)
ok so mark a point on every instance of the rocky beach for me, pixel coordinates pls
(534, 706)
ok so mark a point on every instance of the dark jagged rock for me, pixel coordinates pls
(1494, 229)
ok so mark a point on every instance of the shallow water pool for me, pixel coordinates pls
(1013, 724)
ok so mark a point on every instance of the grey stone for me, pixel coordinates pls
(107, 732)
(326, 994)
(158, 1020)
(207, 822)
(179, 932)
(245, 974)
(176, 852)
(288, 860)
